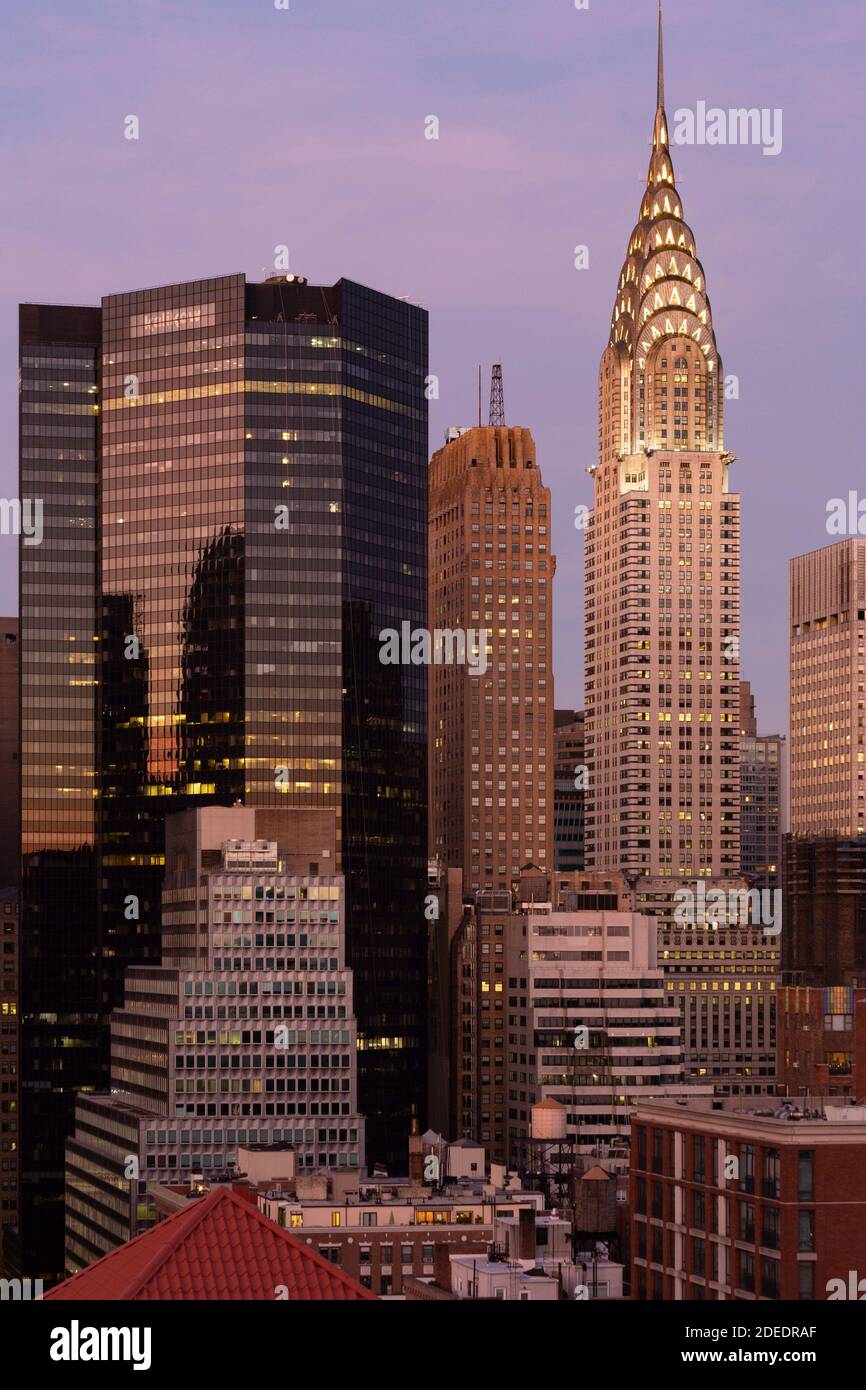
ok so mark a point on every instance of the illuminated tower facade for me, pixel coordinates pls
(491, 730)
(828, 723)
(662, 565)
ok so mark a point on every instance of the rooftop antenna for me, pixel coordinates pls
(497, 399)
(479, 395)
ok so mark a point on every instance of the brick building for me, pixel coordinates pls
(730, 1202)
(822, 1041)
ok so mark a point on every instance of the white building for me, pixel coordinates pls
(244, 1035)
(590, 1026)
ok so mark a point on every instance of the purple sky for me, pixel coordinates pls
(306, 127)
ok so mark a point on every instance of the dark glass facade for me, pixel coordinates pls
(254, 514)
(60, 941)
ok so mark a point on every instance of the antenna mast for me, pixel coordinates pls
(497, 399)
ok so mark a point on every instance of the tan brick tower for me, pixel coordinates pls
(491, 733)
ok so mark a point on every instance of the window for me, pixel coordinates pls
(657, 1246)
(747, 1272)
(806, 1239)
(657, 1150)
(806, 1176)
(806, 1279)
(747, 1167)
(699, 1214)
(772, 1173)
(770, 1228)
(641, 1147)
(770, 1278)
(747, 1222)
(699, 1158)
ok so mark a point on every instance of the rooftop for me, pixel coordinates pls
(219, 1248)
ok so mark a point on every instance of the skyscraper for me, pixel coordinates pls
(662, 564)
(828, 690)
(491, 730)
(244, 1034)
(10, 676)
(569, 790)
(763, 797)
(234, 478)
(763, 793)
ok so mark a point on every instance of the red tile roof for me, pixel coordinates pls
(221, 1247)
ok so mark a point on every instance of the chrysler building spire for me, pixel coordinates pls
(660, 82)
(661, 302)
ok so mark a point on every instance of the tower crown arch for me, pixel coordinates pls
(673, 322)
(677, 295)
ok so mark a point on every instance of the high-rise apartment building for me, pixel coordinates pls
(828, 690)
(569, 790)
(235, 505)
(491, 729)
(245, 1034)
(663, 565)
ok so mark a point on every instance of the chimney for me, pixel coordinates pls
(442, 1266)
(416, 1155)
(526, 1233)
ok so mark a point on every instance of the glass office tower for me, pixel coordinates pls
(254, 514)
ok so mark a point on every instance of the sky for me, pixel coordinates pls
(261, 127)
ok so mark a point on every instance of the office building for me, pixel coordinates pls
(245, 1034)
(824, 939)
(235, 506)
(569, 791)
(663, 564)
(590, 1025)
(491, 730)
(10, 675)
(9, 1077)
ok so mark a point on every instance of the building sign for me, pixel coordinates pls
(172, 320)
